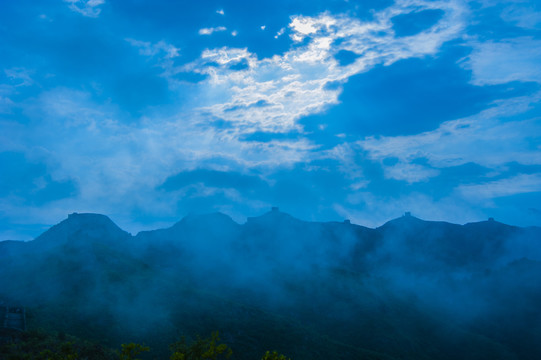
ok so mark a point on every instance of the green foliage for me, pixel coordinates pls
(201, 349)
(274, 356)
(66, 352)
(131, 350)
(41, 345)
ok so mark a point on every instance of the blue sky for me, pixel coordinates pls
(150, 110)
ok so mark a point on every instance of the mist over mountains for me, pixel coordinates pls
(410, 289)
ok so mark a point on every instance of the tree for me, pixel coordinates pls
(66, 352)
(201, 349)
(274, 356)
(131, 350)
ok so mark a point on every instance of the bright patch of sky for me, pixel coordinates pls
(210, 31)
(89, 8)
(150, 111)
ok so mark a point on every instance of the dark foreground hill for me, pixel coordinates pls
(410, 289)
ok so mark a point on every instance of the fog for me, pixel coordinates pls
(409, 289)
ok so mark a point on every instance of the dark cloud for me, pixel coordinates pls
(214, 178)
(409, 97)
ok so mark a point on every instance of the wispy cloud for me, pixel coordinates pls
(5, 105)
(210, 31)
(491, 139)
(88, 8)
(20, 76)
(44, 17)
(147, 48)
(279, 33)
(523, 16)
(110, 160)
(410, 173)
(5, 102)
(220, 12)
(119, 165)
(521, 13)
(519, 184)
(297, 83)
(498, 62)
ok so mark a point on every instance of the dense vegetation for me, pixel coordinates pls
(40, 345)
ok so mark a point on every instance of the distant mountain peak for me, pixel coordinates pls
(216, 218)
(210, 216)
(274, 215)
(86, 225)
(90, 220)
(75, 216)
(406, 219)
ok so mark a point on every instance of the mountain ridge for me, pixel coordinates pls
(104, 220)
(397, 290)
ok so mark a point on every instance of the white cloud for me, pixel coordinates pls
(117, 165)
(263, 27)
(234, 33)
(409, 172)
(522, 13)
(271, 94)
(20, 76)
(6, 103)
(88, 8)
(519, 184)
(220, 12)
(146, 48)
(210, 31)
(45, 17)
(498, 62)
(280, 33)
(303, 26)
(523, 16)
(491, 139)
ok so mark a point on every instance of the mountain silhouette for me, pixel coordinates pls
(409, 289)
(84, 227)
